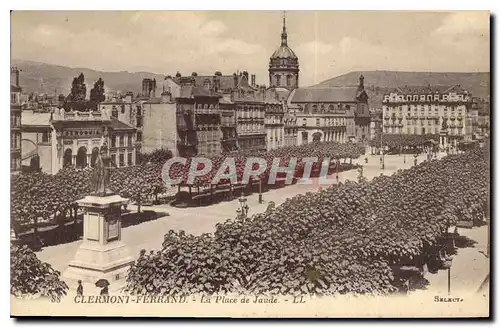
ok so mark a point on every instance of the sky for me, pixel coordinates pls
(328, 43)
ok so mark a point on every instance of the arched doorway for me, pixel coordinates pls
(68, 157)
(93, 158)
(317, 136)
(81, 158)
(305, 137)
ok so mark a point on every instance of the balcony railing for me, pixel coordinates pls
(61, 115)
(207, 111)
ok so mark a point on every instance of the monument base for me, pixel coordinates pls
(93, 262)
(102, 255)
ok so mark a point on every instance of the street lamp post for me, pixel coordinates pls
(260, 191)
(243, 210)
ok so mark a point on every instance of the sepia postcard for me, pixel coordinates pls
(250, 164)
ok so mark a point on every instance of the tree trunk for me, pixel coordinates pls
(139, 204)
(75, 213)
(35, 232)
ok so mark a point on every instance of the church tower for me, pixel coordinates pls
(284, 65)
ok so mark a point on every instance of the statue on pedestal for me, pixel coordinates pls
(102, 173)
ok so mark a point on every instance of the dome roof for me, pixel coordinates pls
(284, 52)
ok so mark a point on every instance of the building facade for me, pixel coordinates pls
(274, 123)
(228, 124)
(290, 129)
(122, 146)
(60, 139)
(337, 114)
(198, 120)
(158, 127)
(250, 115)
(424, 110)
(37, 135)
(241, 109)
(481, 125)
(154, 118)
(15, 122)
(375, 123)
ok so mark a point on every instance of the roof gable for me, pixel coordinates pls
(332, 94)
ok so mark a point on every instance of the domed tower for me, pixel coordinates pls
(284, 65)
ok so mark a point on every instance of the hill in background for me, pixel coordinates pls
(377, 83)
(45, 78)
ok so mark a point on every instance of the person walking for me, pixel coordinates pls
(79, 289)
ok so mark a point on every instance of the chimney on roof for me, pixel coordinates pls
(165, 97)
(129, 96)
(194, 74)
(253, 80)
(178, 74)
(245, 74)
(235, 80)
(218, 73)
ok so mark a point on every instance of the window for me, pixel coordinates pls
(129, 139)
(139, 136)
(139, 111)
(122, 141)
(45, 136)
(113, 141)
(317, 122)
(288, 80)
(304, 122)
(129, 159)
(278, 80)
(122, 160)
(139, 122)
(113, 158)
(123, 109)
(114, 112)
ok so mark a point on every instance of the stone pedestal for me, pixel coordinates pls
(102, 253)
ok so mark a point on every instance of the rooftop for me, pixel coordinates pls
(119, 125)
(428, 89)
(30, 118)
(193, 91)
(332, 94)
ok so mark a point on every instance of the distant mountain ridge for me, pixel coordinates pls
(47, 78)
(377, 83)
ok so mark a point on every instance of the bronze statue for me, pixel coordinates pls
(102, 173)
